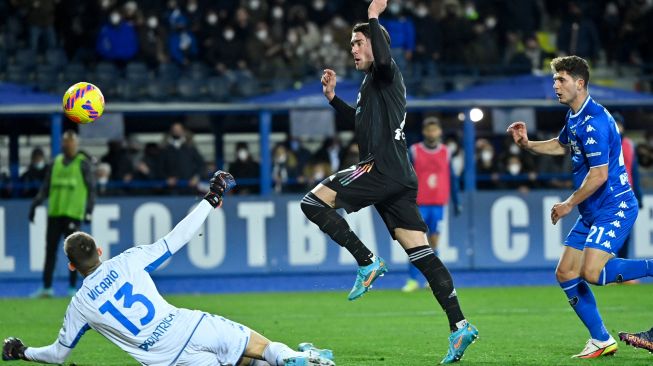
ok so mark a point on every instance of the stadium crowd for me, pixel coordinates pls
(217, 50)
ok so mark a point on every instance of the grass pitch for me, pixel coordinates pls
(518, 326)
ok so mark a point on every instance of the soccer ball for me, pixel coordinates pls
(83, 103)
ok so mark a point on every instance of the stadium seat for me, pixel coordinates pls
(46, 78)
(56, 57)
(136, 70)
(106, 69)
(72, 73)
(131, 90)
(218, 89)
(190, 89)
(247, 87)
(168, 71)
(197, 71)
(17, 74)
(160, 89)
(26, 58)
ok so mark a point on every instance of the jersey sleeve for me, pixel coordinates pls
(595, 137)
(73, 328)
(383, 66)
(150, 257)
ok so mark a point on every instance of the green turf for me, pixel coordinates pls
(518, 326)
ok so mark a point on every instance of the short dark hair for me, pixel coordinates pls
(365, 29)
(81, 250)
(431, 120)
(575, 66)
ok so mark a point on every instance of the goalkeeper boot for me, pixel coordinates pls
(458, 343)
(324, 353)
(595, 348)
(366, 276)
(308, 358)
(642, 340)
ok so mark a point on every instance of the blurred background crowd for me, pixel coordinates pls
(227, 50)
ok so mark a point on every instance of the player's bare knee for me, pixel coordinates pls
(564, 274)
(591, 275)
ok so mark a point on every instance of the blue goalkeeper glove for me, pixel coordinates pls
(221, 183)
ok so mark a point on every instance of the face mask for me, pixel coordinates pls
(277, 12)
(40, 165)
(319, 175)
(422, 11)
(192, 7)
(394, 8)
(452, 147)
(514, 149)
(490, 22)
(262, 34)
(105, 4)
(514, 169)
(254, 4)
(292, 37)
(486, 155)
(229, 34)
(152, 22)
(115, 18)
(242, 154)
(103, 181)
(318, 5)
(282, 158)
(327, 38)
(212, 19)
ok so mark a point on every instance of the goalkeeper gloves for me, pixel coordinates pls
(13, 349)
(221, 183)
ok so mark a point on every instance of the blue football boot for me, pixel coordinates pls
(458, 343)
(366, 276)
(308, 358)
(324, 353)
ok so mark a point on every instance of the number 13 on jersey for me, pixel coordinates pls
(126, 291)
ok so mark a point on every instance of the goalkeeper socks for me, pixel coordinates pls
(440, 280)
(334, 225)
(620, 270)
(582, 300)
(275, 353)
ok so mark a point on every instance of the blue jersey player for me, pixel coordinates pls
(605, 201)
(119, 300)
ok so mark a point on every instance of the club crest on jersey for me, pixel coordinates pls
(590, 128)
(590, 141)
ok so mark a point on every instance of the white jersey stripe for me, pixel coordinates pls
(188, 340)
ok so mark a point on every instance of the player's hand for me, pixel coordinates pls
(376, 8)
(221, 183)
(560, 210)
(329, 84)
(518, 132)
(13, 349)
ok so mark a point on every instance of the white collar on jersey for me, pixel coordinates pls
(581, 108)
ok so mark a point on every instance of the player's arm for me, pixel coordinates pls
(344, 110)
(150, 257)
(73, 328)
(597, 152)
(554, 146)
(380, 47)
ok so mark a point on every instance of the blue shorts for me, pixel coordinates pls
(432, 215)
(609, 230)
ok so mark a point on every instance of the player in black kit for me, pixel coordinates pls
(384, 177)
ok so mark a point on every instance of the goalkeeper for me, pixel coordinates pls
(119, 300)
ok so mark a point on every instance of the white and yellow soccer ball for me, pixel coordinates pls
(83, 103)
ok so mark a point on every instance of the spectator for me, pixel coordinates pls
(69, 187)
(152, 40)
(181, 163)
(516, 177)
(263, 53)
(246, 169)
(102, 177)
(35, 173)
(40, 16)
(182, 43)
(486, 165)
(458, 32)
(302, 154)
(402, 33)
(428, 42)
(149, 166)
(331, 153)
(578, 34)
(457, 155)
(284, 169)
(227, 55)
(118, 159)
(118, 40)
